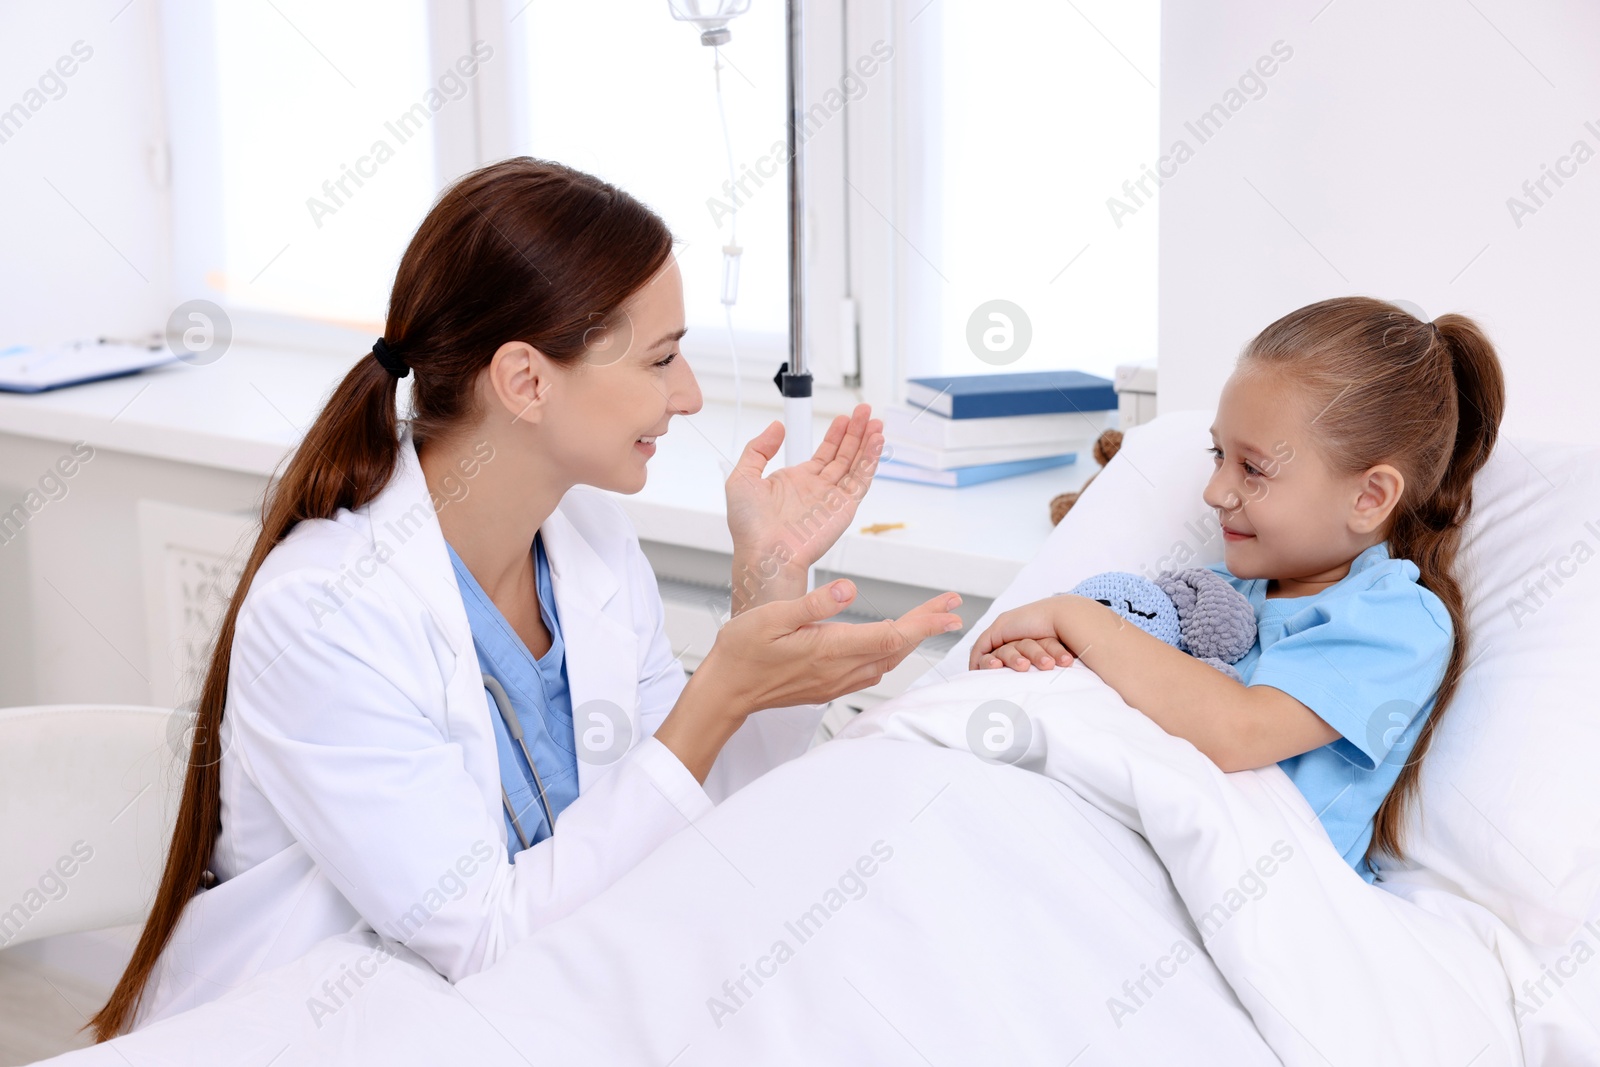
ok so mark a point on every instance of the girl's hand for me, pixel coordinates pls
(784, 522)
(1046, 653)
(1022, 637)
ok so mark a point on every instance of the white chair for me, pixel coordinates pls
(88, 795)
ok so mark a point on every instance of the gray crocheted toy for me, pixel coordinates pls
(1194, 610)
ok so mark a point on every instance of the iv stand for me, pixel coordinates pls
(794, 377)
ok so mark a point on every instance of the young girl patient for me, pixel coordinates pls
(1345, 444)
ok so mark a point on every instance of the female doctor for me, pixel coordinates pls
(447, 645)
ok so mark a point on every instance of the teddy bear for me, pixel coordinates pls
(1105, 446)
(1195, 610)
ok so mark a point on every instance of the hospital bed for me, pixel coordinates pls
(1109, 897)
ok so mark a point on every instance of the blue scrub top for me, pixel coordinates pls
(539, 697)
(1367, 654)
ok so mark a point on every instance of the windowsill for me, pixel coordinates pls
(244, 412)
(247, 410)
(972, 540)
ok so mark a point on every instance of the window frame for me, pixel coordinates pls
(501, 115)
(187, 28)
(862, 174)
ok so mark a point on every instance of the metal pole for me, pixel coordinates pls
(794, 378)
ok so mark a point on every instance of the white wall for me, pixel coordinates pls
(86, 247)
(1379, 161)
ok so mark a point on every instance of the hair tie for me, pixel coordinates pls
(391, 362)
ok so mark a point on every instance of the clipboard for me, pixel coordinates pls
(25, 369)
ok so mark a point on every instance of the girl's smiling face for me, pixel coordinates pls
(1285, 514)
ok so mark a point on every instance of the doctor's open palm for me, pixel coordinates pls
(783, 522)
(786, 653)
(778, 650)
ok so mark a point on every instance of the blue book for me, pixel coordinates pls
(957, 477)
(983, 396)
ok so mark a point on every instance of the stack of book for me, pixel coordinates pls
(976, 428)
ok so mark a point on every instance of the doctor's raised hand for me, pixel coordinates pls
(446, 655)
(784, 522)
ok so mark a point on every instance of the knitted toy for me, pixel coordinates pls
(1194, 610)
(1105, 446)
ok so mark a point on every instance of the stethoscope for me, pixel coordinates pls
(502, 703)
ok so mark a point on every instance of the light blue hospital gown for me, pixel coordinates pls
(1367, 655)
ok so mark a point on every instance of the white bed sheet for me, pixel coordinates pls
(1014, 922)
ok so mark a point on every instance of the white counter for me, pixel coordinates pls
(972, 540)
(244, 413)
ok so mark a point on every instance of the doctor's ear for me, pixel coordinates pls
(520, 380)
(1378, 493)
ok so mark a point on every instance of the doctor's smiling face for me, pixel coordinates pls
(594, 420)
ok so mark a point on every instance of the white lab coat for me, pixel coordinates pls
(360, 785)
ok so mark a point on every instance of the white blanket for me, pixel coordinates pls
(891, 898)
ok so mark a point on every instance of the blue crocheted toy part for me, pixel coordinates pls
(1139, 600)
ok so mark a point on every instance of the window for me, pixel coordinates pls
(961, 153)
(640, 110)
(301, 171)
(1023, 117)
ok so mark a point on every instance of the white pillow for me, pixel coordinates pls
(1143, 513)
(1510, 802)
(1509, 812)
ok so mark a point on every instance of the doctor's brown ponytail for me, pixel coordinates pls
(522, 250)
(1426, 398)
